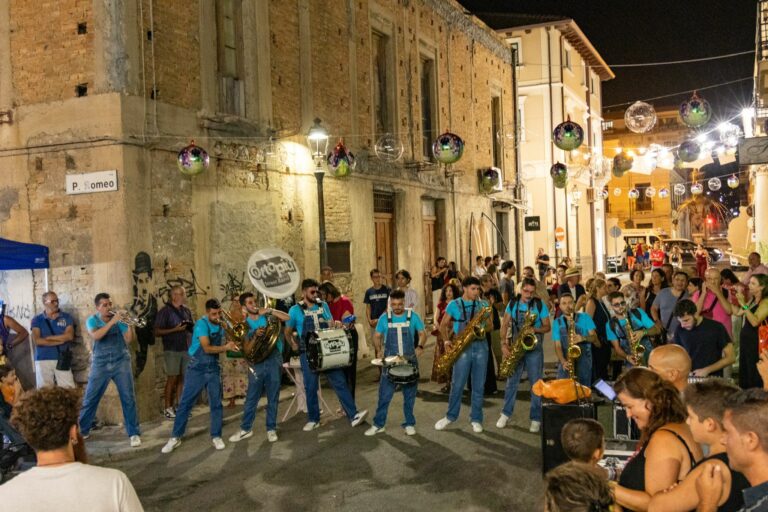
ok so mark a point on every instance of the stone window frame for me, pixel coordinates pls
(497, 146)
(428, 52)
(384, 27)
(231, 82)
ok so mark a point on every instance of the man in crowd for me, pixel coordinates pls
(310, 316)
(746, 442)
(657, 255)
(542, 262)
(669, 271)
(203, 371)
(479, 269)
(755, 267)
(663, 308)
(628, 330)
(174, 325)
(672, 363)
(571, 284)
(398, 333)
(264, 376)
(53, 331)
(706, 341)
(326, 274)
(111, 361)
(507, 281)
(533, 360)
(376, 299)
(584, 338)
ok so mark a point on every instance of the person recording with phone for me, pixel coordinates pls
(174, 325)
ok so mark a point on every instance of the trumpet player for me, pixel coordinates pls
(111, 360)
(584, 337)
(263, 376)
(533, 360)
(628, 331)
(474, 359)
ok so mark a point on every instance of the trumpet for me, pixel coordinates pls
(128, 319)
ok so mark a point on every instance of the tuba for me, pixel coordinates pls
(258, 348)
(574, 350)
(525, 341)
(235, 331)
(474, 329)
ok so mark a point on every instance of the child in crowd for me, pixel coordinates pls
(583, 440)
(577, 487)
(9, 385)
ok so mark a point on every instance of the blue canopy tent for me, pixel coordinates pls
(16, 256)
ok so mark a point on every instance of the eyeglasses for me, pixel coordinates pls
(619, 304)
(49, 301)
(312, 292)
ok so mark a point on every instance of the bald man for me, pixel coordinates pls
(672, 363)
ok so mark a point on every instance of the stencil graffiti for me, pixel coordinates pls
(144, 306)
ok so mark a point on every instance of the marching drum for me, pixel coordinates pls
(328, 349)
(403, 374)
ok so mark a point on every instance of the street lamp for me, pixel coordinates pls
(317, 139)
(575, 198)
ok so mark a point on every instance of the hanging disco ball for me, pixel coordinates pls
(695, 111)
(560, 182)
(650, 192)
(341, 161)
(558, 171)
(640, 117)
(729, 134)
(733, 181)
(689, 151)
(697, 189)
(633, 193)
(664, 193)
(448, 148)
(617, 192)
(621, 164)
(568, 135)
(388, 148)
(714, 184)
(192, 159)
(679, 189)
(490, 179)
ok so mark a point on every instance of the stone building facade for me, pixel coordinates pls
(114, 85)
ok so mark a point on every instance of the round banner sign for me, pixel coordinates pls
(273, 273)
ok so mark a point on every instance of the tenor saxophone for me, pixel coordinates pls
(574, 350)
(525, 341)
(474, 329)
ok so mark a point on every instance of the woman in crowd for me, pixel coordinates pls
(453, 273)
(639, 255)
(341, 308)
(676, 257)
(601, 355)
(658, 282)
(62, 481)
(731, 285)
(702, 256)
(694, 285)
(754, 312)
(403, 282)
(449, 292)
(666, 451)
(634, 291)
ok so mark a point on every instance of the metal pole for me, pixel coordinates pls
(319, 174)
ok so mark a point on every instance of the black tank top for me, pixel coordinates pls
(600, 318)
(739, 482)
(633, 475)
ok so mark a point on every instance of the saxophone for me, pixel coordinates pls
(574, 350)
(474, 329)
(525, 341)
(636, 348)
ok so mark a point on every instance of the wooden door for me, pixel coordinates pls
(429, 257)
(385, 260)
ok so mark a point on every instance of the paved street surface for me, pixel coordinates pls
(338, 468)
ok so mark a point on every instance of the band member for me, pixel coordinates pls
(584, 338)
(174, 325)
(307, 316)
(533, 360)
(619, 332)
(401, 329)
(263, 376)
(53, 331)
(203, 371)
(111, 361)
(473, 359)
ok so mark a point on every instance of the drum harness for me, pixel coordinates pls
(399, 326)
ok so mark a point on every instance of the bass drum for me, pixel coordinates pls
(328, 349)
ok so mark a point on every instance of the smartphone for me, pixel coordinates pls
(605, 389)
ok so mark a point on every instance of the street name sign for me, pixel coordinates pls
(92, 182)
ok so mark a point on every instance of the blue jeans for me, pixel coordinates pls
(339, 382)
(583, 369)
(118, 370)
(386, 392)
(473, 360)
(533, 362)
(200, 375)
(264, 376)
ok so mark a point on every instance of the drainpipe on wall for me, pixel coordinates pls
(518, 165)
(551, 144)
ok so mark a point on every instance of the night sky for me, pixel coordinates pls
(625, 31)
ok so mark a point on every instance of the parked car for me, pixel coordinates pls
(715, 254)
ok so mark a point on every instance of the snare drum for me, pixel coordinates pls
(328, 349)
(403, 374)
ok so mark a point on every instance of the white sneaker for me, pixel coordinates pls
(271, 436)
(310, 426)
(135, 441)
(240, 436)
(359, 417)
(410, 430)
(171, 445)
(374, 430)
(535, 427)
(218, 443)
(441, 424)
(477, 427)
(503, 419)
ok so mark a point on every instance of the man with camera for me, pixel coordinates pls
(53, 332)
(174, 325)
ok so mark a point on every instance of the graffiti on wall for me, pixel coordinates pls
(191, 286)
(144, 306)
(233, 287)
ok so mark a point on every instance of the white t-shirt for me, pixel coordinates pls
(72, 487)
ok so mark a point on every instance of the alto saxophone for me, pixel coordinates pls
(525, 341)
(574, 350)
(474, 329)
(636, 348)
